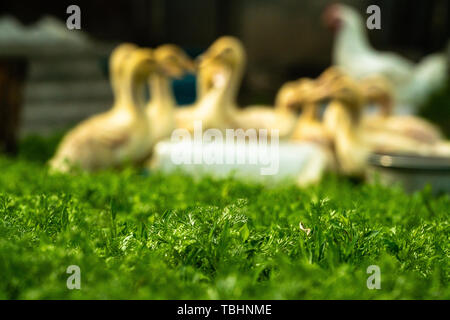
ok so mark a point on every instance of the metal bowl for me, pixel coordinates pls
(412, 172)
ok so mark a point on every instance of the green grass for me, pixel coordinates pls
(147, 236)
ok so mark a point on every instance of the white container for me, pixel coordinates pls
(412, 172)
(303, 163)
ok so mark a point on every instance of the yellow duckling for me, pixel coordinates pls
(341, 120)
(228, 52)
(172, 62)
(377, 89)
(208, 111)
(118, 135)
(286, 99)
(352, 142)
(309, 127)
(116, 66)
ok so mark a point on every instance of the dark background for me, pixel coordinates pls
(285, 39)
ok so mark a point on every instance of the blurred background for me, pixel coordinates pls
(59, 77)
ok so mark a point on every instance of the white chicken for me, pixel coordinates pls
(352, 51)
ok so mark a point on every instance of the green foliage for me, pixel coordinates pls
(437, 109)
(139, 235)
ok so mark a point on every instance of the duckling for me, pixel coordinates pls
(309, 127)
(303, 95)
(116, 62)
(118, 135)
(229, 53)
(208, 110)
(341, 120)
(352, 142)
(226, 53)
(286, 99)
(172, 63)
(377, 89)
(330, 76)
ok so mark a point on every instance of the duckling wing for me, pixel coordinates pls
(414, 127)
(385, 141)
(258, 117)
(99, 142)
(411, 127)
(125, 137)
(111, 134)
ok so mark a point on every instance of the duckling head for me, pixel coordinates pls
(286, 99)
(116, 61)
(140, 63)
(213, 75)
(345, 108)
(173, 61)
(301, 97)
(310, 127)
(227, 50)
(345, 91)
(309, 94)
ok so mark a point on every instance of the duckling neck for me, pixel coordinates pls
(161, 91)
(225, 96)
(351, 152)
(132, 96)
(220, 99)
(201, 85)
(311, 111)
(118, 92)
(232, 88)
(234, 83)
(115, 87)
(214, 100)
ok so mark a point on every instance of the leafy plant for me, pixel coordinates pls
(154, 236)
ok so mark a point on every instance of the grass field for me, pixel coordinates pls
(137, 235)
